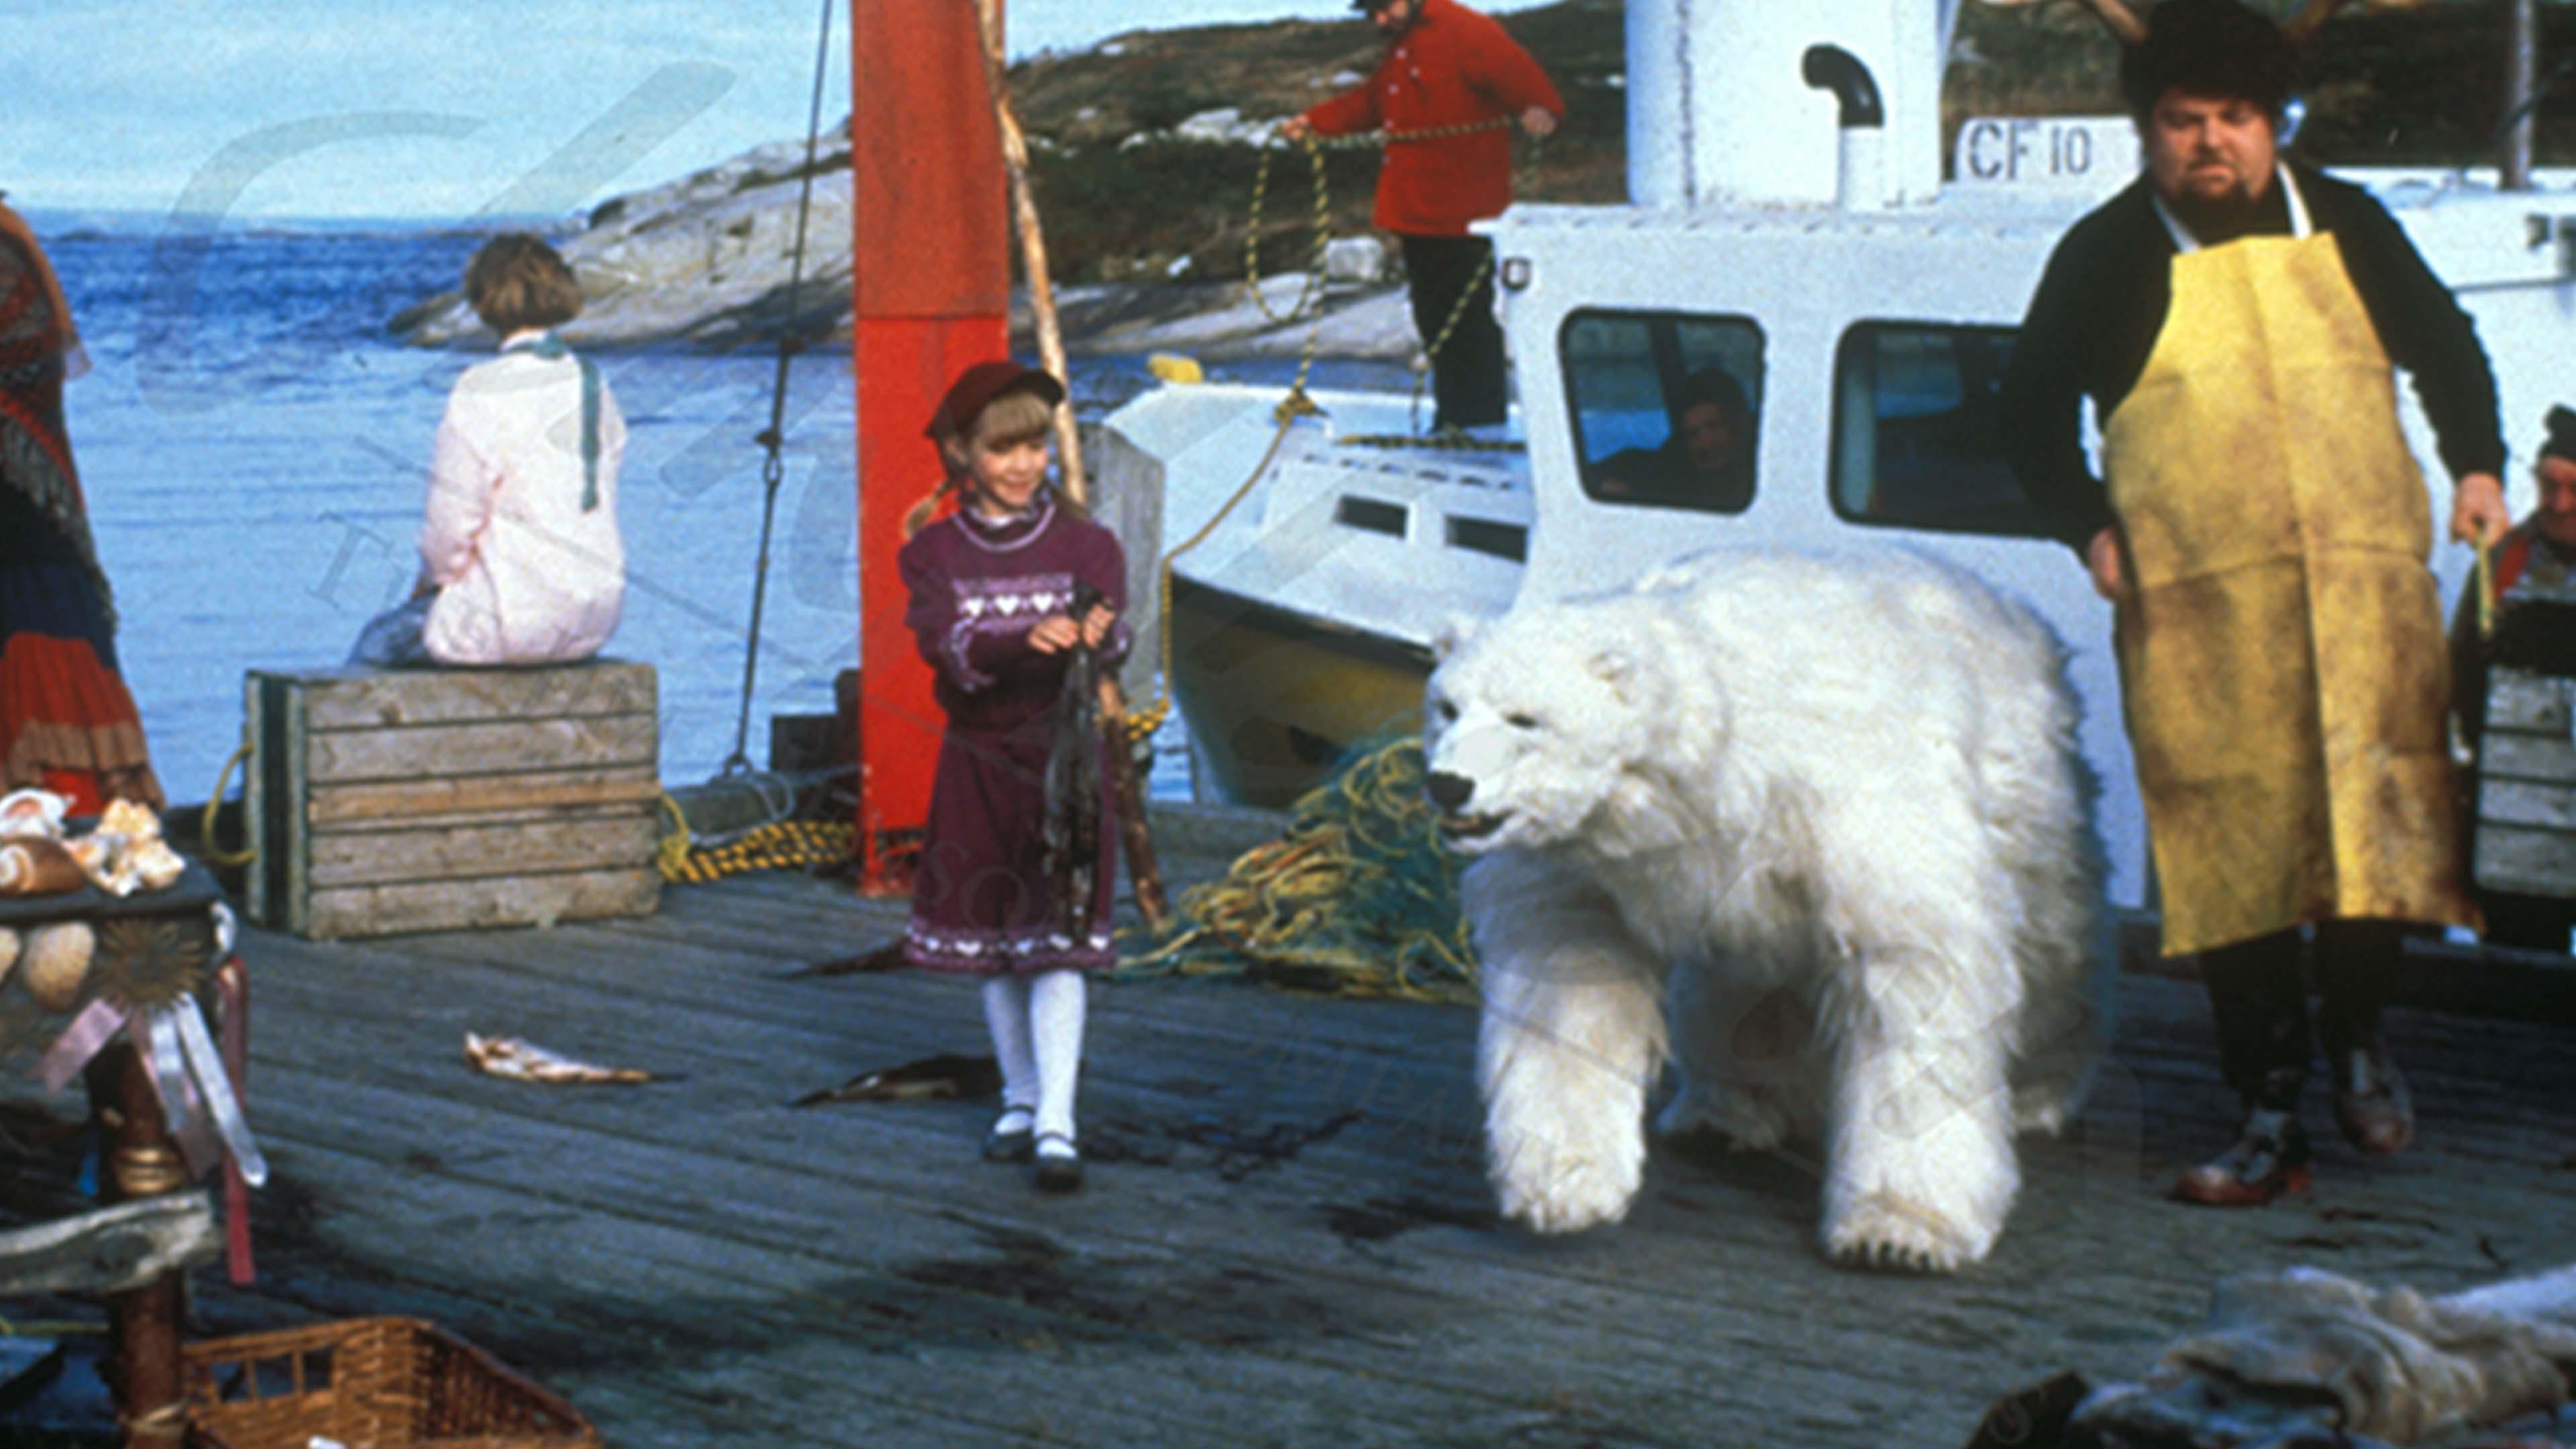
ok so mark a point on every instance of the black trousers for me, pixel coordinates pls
(2260, 1001)
(1467, 371)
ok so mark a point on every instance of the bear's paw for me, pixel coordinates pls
(1883, 1230)
(1557, 1185)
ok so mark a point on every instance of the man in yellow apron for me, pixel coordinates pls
(2262, 536)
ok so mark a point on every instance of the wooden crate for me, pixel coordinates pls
(438, 799)
(2525, 835)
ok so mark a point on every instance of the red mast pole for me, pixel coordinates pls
(930, 293)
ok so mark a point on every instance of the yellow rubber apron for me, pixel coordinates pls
(2281, 650)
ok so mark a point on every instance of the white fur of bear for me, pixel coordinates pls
(1826, 811)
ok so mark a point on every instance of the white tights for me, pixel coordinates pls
(1037, 1040)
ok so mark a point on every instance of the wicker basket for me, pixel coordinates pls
(369, 1383)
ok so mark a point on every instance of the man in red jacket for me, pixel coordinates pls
(1446, 68)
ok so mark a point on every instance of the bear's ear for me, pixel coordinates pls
(1452, 636)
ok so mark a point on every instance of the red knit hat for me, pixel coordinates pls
(976, 387)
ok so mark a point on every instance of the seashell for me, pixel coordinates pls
(9, 944)
(155, 863)
(35, 866)
(107, 858)
(130, 819)
(32, 812)
(57, 962)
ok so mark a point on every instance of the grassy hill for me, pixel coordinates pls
(1123, 201)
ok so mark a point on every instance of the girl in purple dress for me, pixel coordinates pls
(991, 591)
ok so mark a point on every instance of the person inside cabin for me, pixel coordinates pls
(2261, 529)
(2539, 552)
(521, 560)
(1707, 462)
(990, 591)
(67, 722)
(1449, 88)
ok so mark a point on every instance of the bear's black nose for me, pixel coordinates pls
(1448, 791)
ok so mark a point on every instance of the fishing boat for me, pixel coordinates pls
(1792, 223)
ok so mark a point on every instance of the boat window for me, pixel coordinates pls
(1484, 535)
(1666, 407)
(1375, 515)
(1916, 438)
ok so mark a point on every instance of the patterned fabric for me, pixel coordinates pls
(67, 722)
(35, 448)
(982, 901)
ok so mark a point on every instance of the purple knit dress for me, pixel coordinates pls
(981, 900)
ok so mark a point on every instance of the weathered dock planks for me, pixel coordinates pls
(1287, 1238)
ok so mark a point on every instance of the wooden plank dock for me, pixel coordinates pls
(1287, 1237)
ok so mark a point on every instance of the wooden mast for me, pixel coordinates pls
(1135, 833)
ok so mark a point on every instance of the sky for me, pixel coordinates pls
(276, 109)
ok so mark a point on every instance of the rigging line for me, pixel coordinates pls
(773, 438)
(2540, 90)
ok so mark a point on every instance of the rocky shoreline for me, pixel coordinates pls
(706, 262)
(1147, 151)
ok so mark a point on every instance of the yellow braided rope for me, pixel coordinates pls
(215, 854)
(1329, 905)
(778, 845)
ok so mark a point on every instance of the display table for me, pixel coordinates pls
(166, 1111)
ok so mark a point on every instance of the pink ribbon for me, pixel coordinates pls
(86, 1037)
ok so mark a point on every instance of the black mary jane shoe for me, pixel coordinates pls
(1057, 1172)
(2269, 1159)
(1011, 1144)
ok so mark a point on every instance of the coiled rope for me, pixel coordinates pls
(1312, 294)
(1357, 897)
(775, 843)
(213, 853)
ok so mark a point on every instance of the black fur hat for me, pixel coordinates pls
(2209, 48)
(2562, 434)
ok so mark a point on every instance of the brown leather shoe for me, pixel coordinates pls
(2371, 1104)
(2269, 1159)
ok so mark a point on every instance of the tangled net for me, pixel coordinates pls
(1358, 897)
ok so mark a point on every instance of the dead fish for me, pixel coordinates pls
(944, 1075)
(503, 1056)
(888, 957)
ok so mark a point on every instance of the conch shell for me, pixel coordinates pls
(126, 851)
(32, 812)
(35, 866)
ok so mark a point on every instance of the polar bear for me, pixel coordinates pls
(1826, 816)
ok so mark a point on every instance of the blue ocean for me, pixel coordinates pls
(253, 443)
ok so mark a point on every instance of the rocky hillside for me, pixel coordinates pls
(1145, 157)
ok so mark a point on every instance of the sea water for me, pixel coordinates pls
(254, 442)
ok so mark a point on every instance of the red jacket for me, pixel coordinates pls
(1453, 67)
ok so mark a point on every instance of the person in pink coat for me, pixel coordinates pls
(521, 561)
